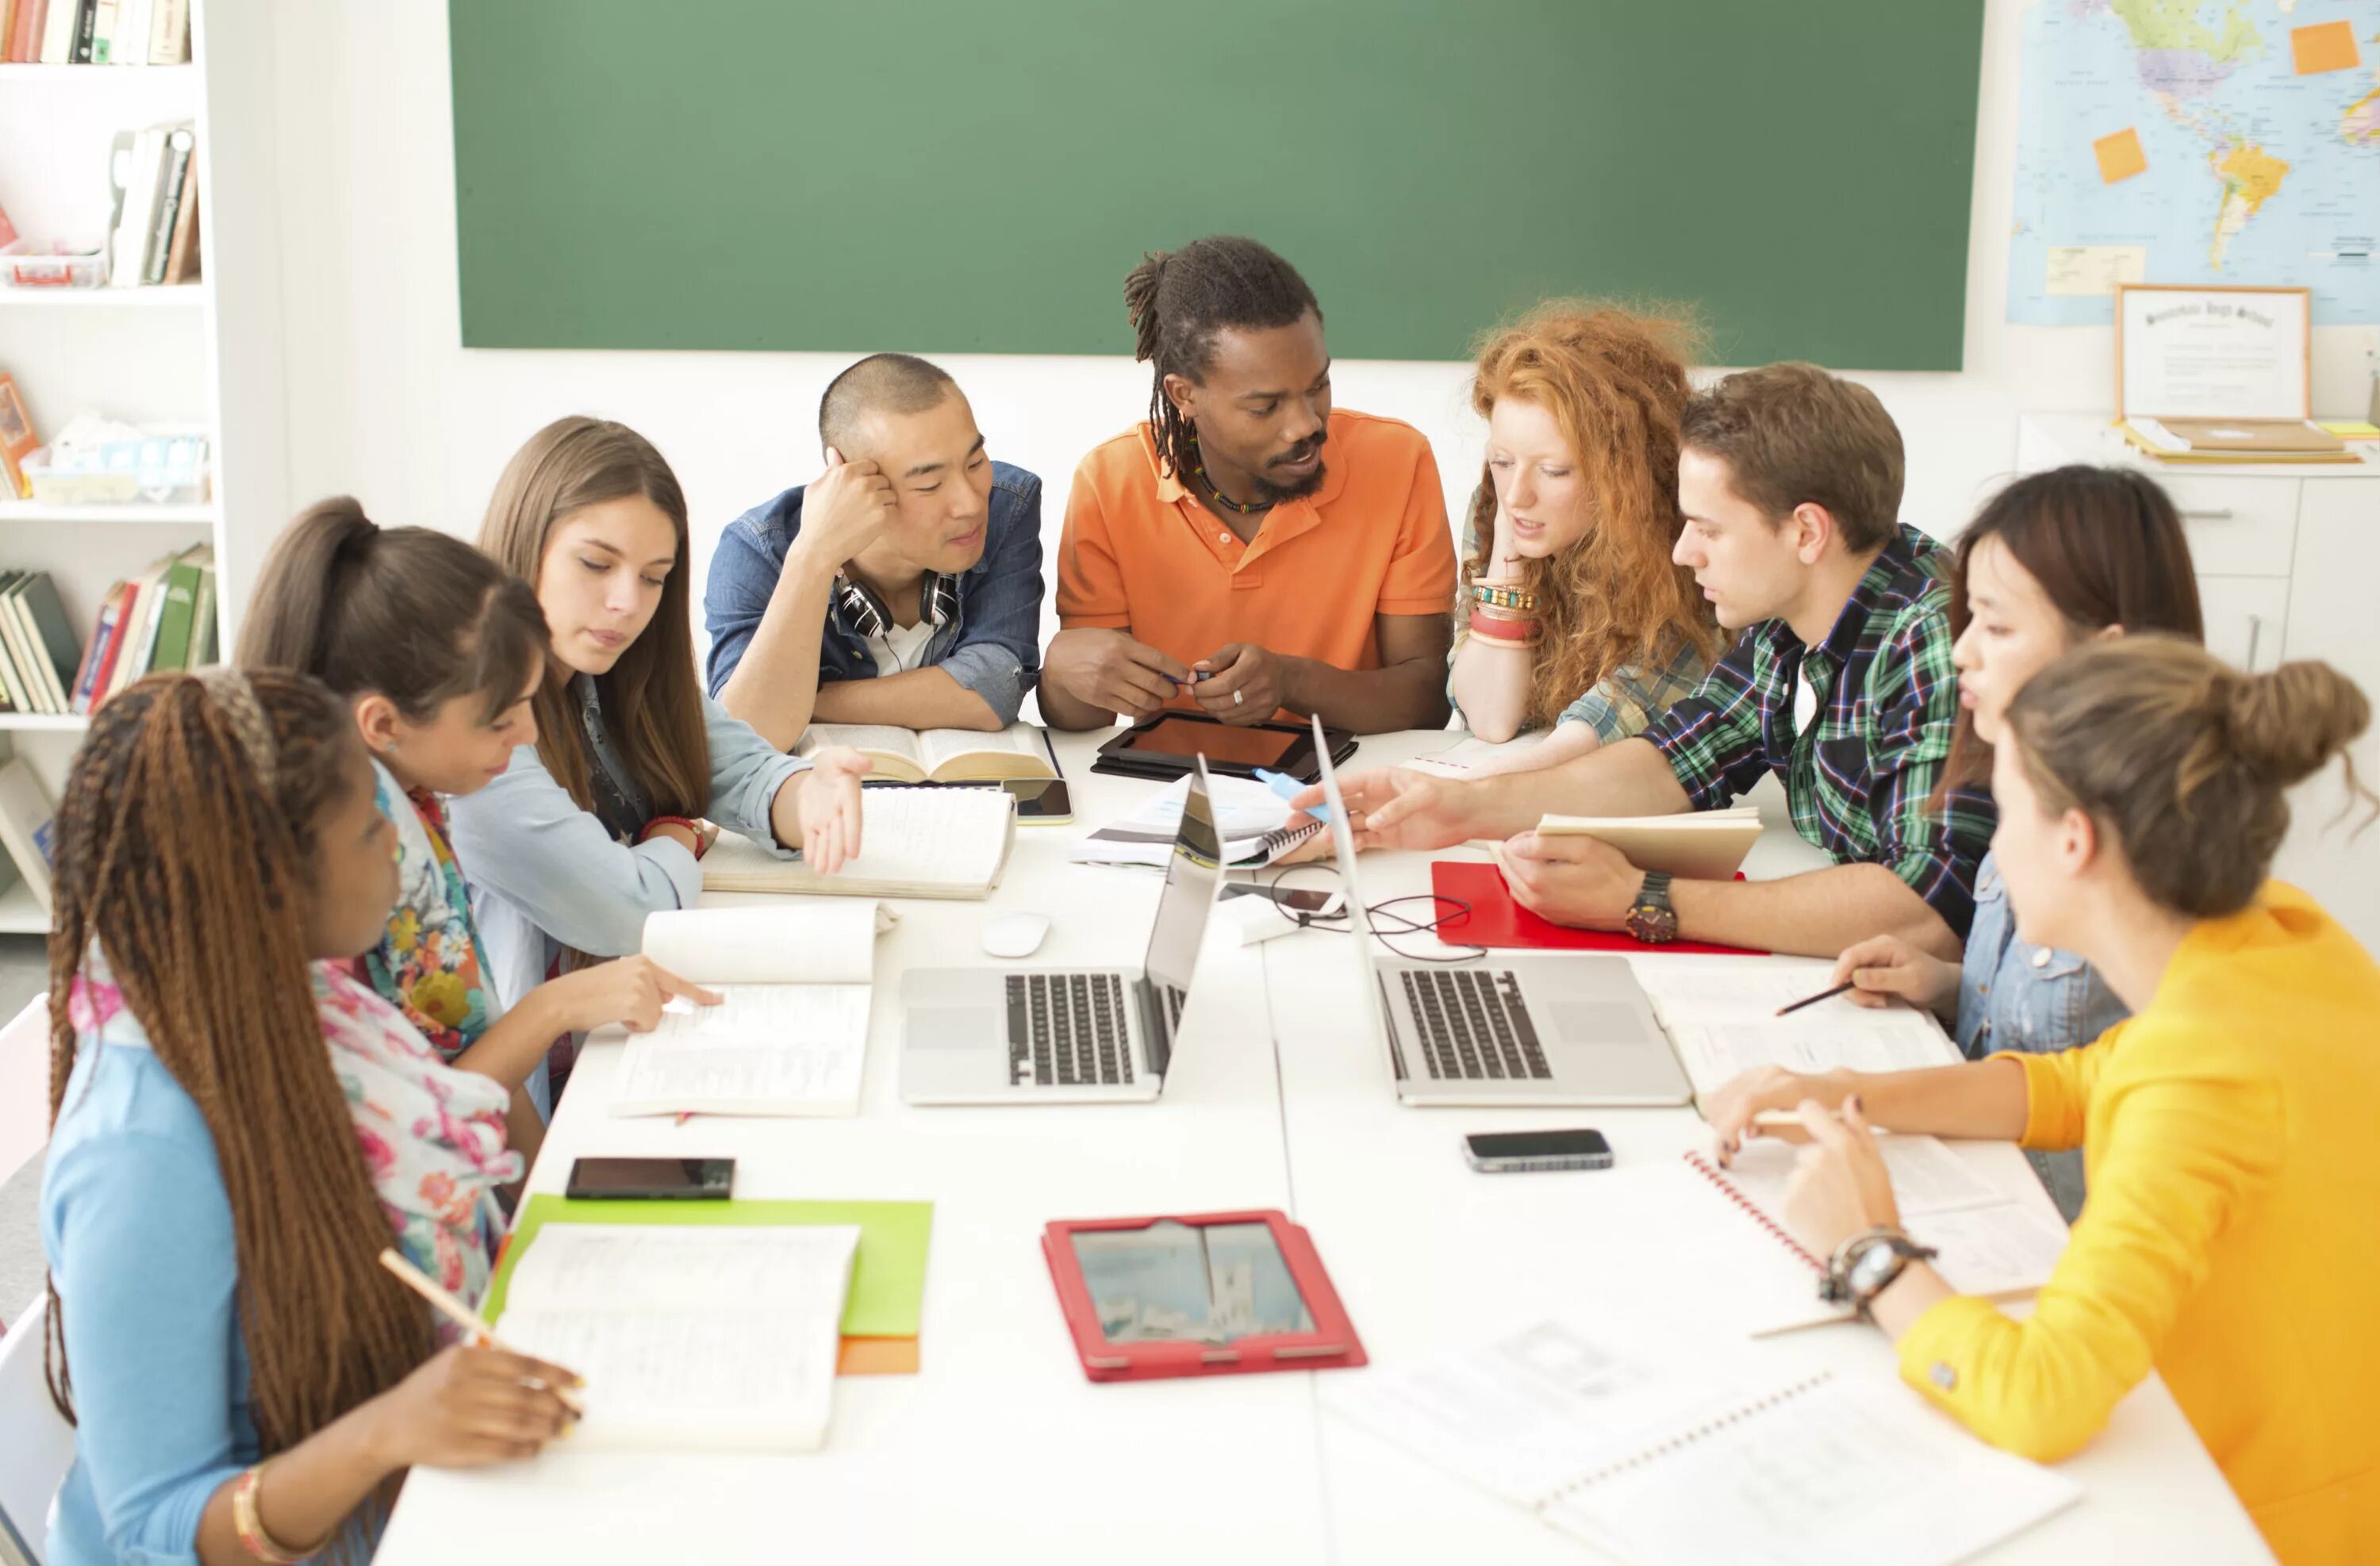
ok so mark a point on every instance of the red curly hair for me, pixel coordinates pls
(1614, 380)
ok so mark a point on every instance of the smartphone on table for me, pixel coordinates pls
(1517, 1152)
(653, 1180)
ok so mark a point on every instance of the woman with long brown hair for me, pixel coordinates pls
(2054, 560)
(599, 822)
(2231, 1242)
(1571, 614)
(244, 1378)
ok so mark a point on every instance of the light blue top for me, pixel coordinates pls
(137, 1228)
(546, 874)
(2015, 995)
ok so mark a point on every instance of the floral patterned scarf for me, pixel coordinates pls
(428, 963)
(433, 1137)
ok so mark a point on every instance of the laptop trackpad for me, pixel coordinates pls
(954, 1027)
(1597, 1021)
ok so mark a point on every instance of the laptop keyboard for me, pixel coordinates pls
(1067, 1030)
(1473, 1026)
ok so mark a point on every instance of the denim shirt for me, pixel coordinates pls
(2014, 996)
(993, 646)
(544, 874)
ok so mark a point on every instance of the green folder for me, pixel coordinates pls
(888, 1276)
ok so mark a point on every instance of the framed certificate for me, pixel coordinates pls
(2235, 353)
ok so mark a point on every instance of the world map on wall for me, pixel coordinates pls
(2196, 141)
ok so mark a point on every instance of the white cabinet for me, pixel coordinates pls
(2288, 564)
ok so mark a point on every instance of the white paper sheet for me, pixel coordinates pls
(766, 1049)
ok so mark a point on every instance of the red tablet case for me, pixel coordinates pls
(1495, 921)
(1331, 1345)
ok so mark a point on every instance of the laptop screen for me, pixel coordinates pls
(1359, 916)
(1193, 874)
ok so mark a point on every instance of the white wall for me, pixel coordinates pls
(384, 404)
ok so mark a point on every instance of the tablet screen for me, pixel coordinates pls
(1219, 742)
(1173, 1282)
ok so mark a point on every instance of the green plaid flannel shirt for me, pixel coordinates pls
(1860, 780)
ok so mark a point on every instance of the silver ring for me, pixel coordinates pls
(1238, 697)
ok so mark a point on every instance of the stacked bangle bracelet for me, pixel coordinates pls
(1510, 631)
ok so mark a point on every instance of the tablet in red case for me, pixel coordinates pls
(1216, 1293)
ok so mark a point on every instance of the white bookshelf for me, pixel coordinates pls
(204, 354)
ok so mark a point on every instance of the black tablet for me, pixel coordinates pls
(1167, 745)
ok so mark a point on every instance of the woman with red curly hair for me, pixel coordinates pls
(1572, 615)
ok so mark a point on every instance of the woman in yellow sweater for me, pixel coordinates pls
(2231, 1239)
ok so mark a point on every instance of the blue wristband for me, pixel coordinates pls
(1288, 789)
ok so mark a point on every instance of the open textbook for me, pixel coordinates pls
(1721, 1017)
(1660, 1454)
(688, 1337)
(1696, 845)
(948, 842)
(940, 755)
(1992, 1244)
(789, 1036)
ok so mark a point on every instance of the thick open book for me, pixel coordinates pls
(1666, 1455)
(789, 1036)
(1698, 844)
(1992, 1244)
(688, 1337)
(913, 843)
(940, 755)
(1721, 1018)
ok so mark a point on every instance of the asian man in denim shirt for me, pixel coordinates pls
(903, 586)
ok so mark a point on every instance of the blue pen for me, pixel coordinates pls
(1289, 788)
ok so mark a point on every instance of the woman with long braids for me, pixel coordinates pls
(239, 1127)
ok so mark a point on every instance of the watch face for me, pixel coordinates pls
(1651, 924)
(1873, 1269)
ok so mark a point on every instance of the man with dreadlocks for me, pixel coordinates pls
(1249, 551)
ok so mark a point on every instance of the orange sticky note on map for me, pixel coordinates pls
(2120, 155)
(2326, 46)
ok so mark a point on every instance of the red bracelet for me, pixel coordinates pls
(1519, 632)
(701, 844)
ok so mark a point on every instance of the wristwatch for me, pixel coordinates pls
(1866, 1266)
(1650, 917)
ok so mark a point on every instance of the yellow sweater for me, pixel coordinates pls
(2231, 1237)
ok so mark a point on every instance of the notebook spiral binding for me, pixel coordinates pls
(1280, 838)
(1709, 1427)
(1762, 1219)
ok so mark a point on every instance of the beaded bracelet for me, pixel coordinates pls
(1503, 598)
(701, 843)
(245, 1521)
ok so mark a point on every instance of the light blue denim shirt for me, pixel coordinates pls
(2014, 996)
(137, 1227)
(993, 646)
(545, 874)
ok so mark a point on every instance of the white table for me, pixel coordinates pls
(1000, 1449)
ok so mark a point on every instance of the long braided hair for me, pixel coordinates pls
(185, 835)
(1176, 301)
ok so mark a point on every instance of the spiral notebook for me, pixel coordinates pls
(1661, 1453)
(1258, 828)
(1992, 1246)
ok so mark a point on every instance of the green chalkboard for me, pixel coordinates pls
(973, 175)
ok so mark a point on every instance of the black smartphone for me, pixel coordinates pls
(657, 1180)
(1513, 1152)
(1041, 801)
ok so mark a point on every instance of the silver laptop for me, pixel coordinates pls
(1039, 1036)
(1547, 1029)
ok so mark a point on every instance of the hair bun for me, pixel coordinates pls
(2289, 723)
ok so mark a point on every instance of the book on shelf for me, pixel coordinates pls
(58, 31)
(150, 170)
(940, 755)
(96, 32)
(28, 827)
(17, 441)
(39, 643)
(163, 619)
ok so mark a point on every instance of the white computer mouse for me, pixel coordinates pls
(1014, 935)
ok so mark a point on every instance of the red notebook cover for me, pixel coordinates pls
(1497, 921)
(1330, 1345)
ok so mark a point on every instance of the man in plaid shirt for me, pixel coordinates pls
(1790, 481)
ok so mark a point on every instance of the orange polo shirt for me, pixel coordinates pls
(1140, 550)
